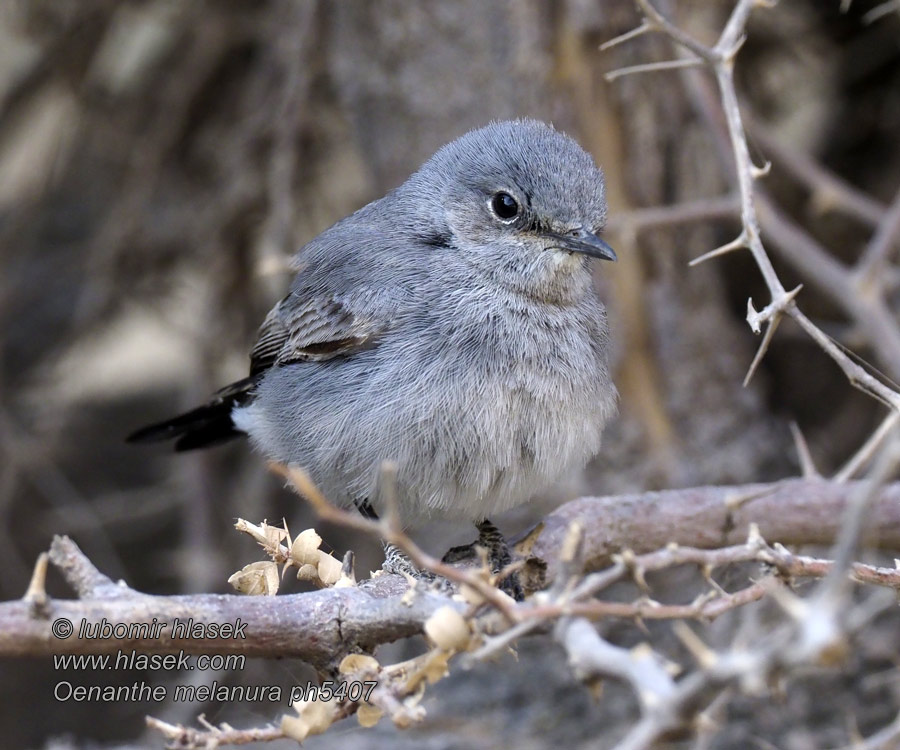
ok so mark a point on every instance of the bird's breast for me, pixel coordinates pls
(529, 395)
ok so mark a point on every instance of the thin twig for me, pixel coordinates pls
(872, 262)
(827, 189)
(211, 737)
(869, 313)
(867, 450)
(392, 534)
(704, 209)
(687, 62)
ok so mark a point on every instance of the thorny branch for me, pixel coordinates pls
(817, 629)
(857, 290)
(330, 627)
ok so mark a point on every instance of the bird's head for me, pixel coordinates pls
(522, 202)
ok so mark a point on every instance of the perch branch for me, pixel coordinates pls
(317, 625)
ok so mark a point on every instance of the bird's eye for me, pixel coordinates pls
(504, 206)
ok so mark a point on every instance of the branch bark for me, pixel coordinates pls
(321, 625)
(795, 511)
(313, 626)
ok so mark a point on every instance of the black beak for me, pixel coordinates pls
(585, 242)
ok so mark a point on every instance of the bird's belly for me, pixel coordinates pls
(513, 440)
(469, 439)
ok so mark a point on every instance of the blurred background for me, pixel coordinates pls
(159, 163)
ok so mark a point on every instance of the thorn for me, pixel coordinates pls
(524, 547)
(36, 594)
(684, 62)
(571, 547)
(807, 465)
(728, 55)
(702, 653)
(758, 172)
(734, 502)
(791, 295)
(203, 722)
(753, 317)
(736, 244)
(763, 348)
(636, 32)
(771, 311)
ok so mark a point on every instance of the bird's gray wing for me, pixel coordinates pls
(311, 329)
(351, 281)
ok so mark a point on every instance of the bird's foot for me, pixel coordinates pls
(396, 561)
(489, 538)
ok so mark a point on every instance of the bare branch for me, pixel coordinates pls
(312, 626)
(880, 11)
(870, 313)
(828, 191)
(80, 573)
(867, 450)
(838, 282)
(736, 244)
(317, 625)
(627, 36)
(793, 511)
(210, 736)
(884, 241)
(658, 22)
(704, 209)
(591, 658)
(687, 62)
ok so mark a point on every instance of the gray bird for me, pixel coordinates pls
(450, 327)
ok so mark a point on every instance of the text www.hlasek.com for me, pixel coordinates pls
(156, 662)
(132, 659)
(186, 629)
(179, 629)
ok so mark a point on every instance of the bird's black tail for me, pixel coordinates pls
(204, 426)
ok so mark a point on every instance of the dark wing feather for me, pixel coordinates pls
(313, 323)
(298, 330)
(209, 424)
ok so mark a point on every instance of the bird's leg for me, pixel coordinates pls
(489, 537)
(499, 556)
(365, 509)
(395, 560)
